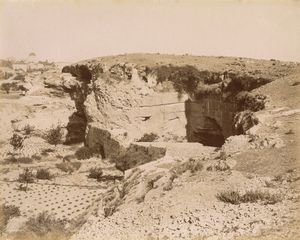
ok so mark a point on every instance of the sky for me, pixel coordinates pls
(73, 30)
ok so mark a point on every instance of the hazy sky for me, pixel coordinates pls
(75, 30)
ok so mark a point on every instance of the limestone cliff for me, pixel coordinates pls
(179, 98)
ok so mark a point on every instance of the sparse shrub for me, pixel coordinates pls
(28, 129)
(46, 225)
(16, 141)
(84, 153)
(278, 178)
(148, 137)
(95, 173)
(192, 165)
(251, 196)
(6, 87)
(266, 197)
(36, 157)
(45, 152)
(232, 197)
(25, 160)
(7, 212)
(13, 159)
(54, 135)
(68, 167)
(43, 174)
(22, 187)
(19, 77)
(26, 176)
(218, 166)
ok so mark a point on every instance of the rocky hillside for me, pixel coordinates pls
(120, 99)
(150, 146)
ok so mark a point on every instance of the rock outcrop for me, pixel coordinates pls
(118, 102)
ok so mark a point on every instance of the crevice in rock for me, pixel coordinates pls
(78, 90)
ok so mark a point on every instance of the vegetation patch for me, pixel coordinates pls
(28, 129)
(84, 153)
(54, 135)
(68, 167)
(192, 165)
(44, 174)
(7, 87)
(95, 173)
(13, 159)
(7, 212)
(45, 226)
(26, 176)
(252, 196)
(16, 141)
(218, 166)
(148, 137)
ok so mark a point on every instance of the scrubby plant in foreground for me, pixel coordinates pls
(26, 176)
(45, 225)
(7, 212)
(95, 173)
(54, 135)
(44, 174)
(251, 196)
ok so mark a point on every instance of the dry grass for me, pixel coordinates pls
(251, 196)
(45, 226)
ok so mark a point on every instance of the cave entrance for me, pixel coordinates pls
(210, 120)
(210, 134)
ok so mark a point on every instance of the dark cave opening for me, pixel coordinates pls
(210, 134)
(210, 120)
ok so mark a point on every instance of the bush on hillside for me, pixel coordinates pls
(54, 135)
(148, 137)
(84, 153)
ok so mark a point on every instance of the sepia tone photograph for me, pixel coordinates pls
(149, 119)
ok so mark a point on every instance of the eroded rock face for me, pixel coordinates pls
(120, 102)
